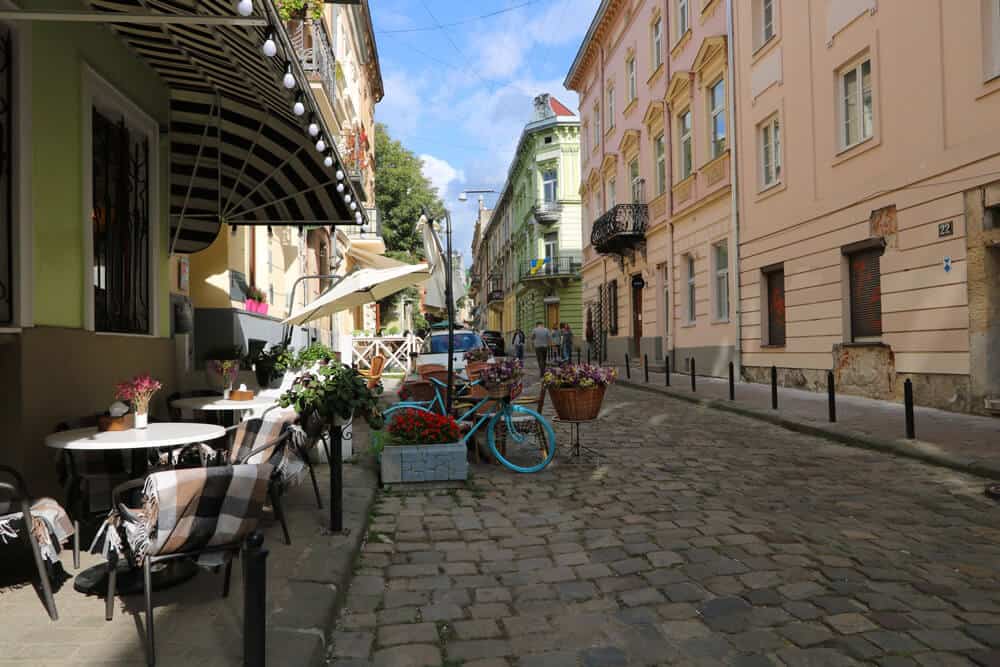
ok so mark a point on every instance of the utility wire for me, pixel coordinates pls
(491, 85)
(470, 19)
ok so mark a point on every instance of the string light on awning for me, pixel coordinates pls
(288, 81)
(269, 48)
(321, 145)
(328, 160)
(314, 129)
(244, 7)
(298, 108)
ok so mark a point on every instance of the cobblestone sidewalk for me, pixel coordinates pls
(707, 538)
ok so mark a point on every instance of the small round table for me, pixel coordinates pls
(578, 452)
(219, 404)
(94, 580)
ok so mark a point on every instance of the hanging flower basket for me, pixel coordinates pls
(577, 390)
(501, 390)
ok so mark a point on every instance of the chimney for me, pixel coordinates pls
(543, 109)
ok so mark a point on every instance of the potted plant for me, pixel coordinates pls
(476, 360)
(270, 363)
(577, 390)
(213, 366)
(256, 301)
(498, 377)
(332, 392)
(138, 392)
(420, 446)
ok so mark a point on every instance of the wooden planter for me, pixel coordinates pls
(442, 462)
(577, 404)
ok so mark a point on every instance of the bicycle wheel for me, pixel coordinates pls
(521, 439)
(398, 409)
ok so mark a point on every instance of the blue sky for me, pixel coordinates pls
(458, 96)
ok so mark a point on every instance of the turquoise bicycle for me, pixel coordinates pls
(518, 437)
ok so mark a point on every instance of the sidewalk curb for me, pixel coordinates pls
(904, 448)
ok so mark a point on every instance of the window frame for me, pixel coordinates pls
(598, 128)
(770, 144)
(685, 148)
(683, 18)
(852, 254)
(99, 92)
(656, 43)
(856, 68)
(660, 159)
(714, 112)
(610, 198)
(691, 314)
(555, 185)
(767, 275)
(610, 110)
(633, 90)
(720, 277)
(991, 41)
(764, 25)
(612, 288)
(635, 181)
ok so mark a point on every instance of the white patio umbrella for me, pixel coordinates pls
(361, 287)
(434, 296)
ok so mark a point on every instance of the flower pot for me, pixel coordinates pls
(250, 305)
(576, 403)
(141, 419)
(501, 390)
(262, 307)
(440, 462)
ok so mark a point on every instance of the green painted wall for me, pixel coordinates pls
(58, 54)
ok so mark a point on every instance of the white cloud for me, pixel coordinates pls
(441, 174)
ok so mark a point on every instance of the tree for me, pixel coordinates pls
(402, 192)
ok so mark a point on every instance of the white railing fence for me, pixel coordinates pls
(397, 350)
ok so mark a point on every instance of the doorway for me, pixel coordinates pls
(552, 315)
(637, 284)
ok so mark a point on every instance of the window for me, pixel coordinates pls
(121, 159)
(866, 293)
(775, 304)
(684, 134)
(611, 107)
(717, 111)
(550, 185)
(659, 152)
(689, 261)
(609, 194)
(656, 39)
(630, 72)
(720, 257)
(597, 126)
(612, 288)
(991, 38)
(635, 181)
(551, 245)
(770, 153)
(856, 103)
(763, 22)
(682, 18)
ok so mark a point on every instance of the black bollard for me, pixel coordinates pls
(774, 388)
(254, 602)
(732, 383)
(831, 397)
(645, 366)
(666, 370)
(908, 401)
(628, 367)
(336, 479)
(692, 375)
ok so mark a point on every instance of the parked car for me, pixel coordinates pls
(435, 348)
(494, 341)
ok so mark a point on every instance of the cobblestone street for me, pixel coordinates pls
(705, 538)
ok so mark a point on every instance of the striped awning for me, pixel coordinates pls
(239, 155)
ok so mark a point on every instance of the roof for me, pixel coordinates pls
(574, 69)
(559, 108)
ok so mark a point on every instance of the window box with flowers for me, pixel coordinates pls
(420, 446)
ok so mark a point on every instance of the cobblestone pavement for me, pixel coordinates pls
(705, 539)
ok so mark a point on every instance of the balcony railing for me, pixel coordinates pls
(494, 296)
(373, 230)
(314, 48)
(564, 266)
(621, 229)
(547, 211)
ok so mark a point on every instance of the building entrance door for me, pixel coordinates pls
(637, 284)
(552, 315)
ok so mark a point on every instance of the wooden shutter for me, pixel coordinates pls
(866, 293)
(776, 307)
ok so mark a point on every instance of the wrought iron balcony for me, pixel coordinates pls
(564, 266)
(621, 229)
(314, 48)
(547, 212)
(373, 230)
(494, 296)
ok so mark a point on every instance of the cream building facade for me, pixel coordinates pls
(869, 171)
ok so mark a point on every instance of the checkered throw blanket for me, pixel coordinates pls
(189, 510)
(51, 526)
(257, 432)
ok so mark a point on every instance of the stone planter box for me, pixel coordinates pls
(444, 462)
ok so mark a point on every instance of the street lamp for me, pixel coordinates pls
(464, 194)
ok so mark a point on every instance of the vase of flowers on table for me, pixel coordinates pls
(138, 391)
(227, 369)
(577, 390)
(499, 377)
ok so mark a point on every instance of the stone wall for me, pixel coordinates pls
(425, 463)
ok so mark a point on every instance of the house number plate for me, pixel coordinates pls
(946, 228)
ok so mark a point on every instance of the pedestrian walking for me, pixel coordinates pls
(555, 344)
(567, 343)
(541, 339)
(517, 341)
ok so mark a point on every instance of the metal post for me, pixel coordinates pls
(449, 296)
(254, 602)
(628, 367)
(774, 388)
(831, 397)
(336, 478)
(908, 401)
(692, 375)
(645, 366)
(732, 383)
(666, 371)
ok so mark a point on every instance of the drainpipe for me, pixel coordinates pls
(669, 146)
(734, 190)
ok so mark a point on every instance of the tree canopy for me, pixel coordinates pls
(401, 193)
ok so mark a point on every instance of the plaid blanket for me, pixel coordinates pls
(256, 432)
(189, 510)
(51, 526)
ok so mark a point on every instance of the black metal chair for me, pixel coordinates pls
(17, 519)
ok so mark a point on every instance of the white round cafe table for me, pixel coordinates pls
(158, 434)
(219, 404)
